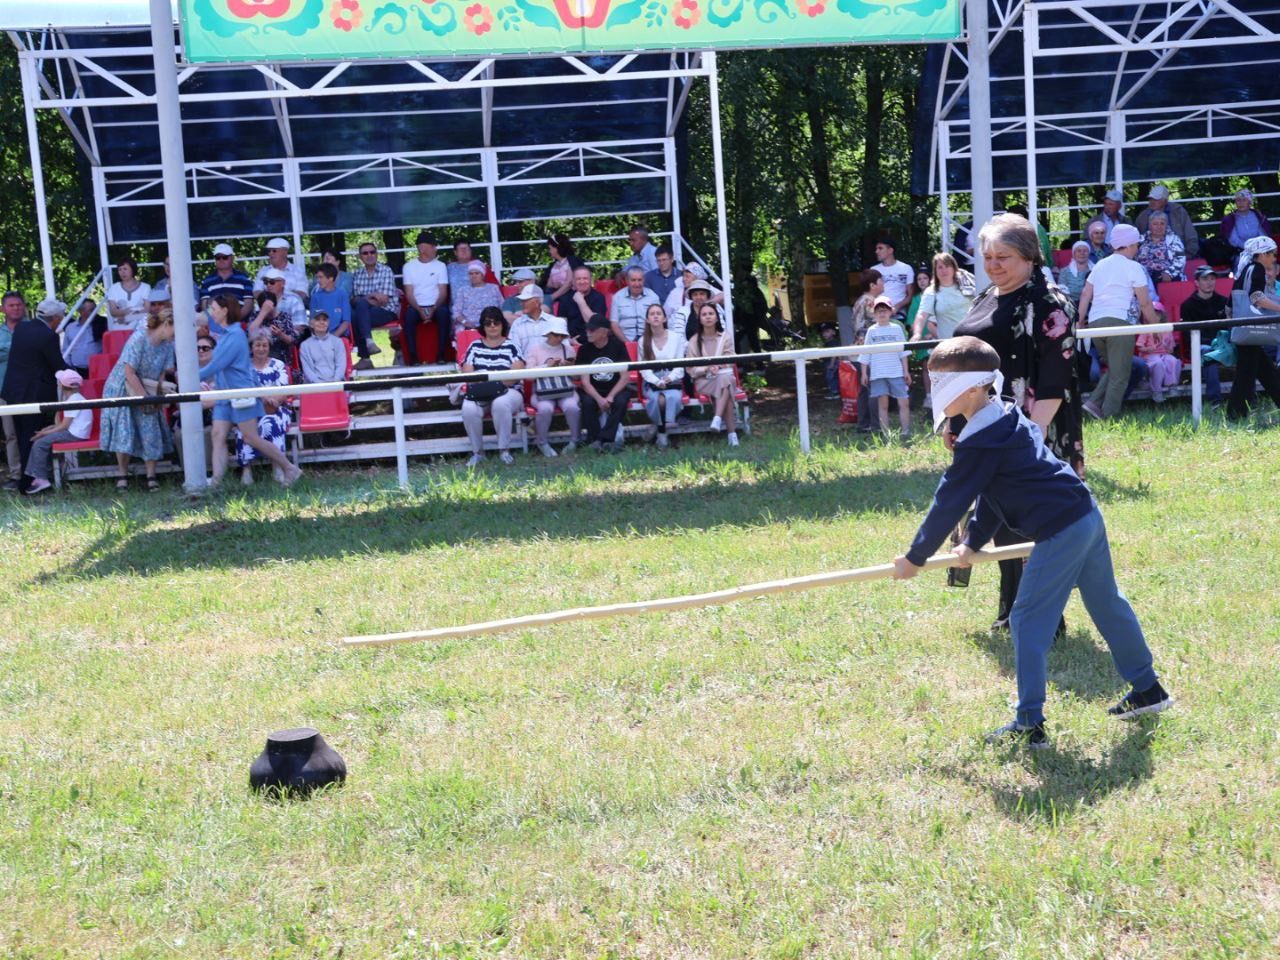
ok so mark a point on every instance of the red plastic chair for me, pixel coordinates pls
(91, 390)
(637, 381)
(113, 341)
(465, 339)
(1224, 286)
(322, 412)
(1193, 264)
(511, 289)
(1061, 258)
(101, 365)
(428, 345)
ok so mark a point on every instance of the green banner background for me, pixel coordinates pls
(244, 30)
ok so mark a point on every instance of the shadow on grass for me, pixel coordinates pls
(468, 510)
(1076, 662)
(1066, 780)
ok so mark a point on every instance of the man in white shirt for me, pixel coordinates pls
(1113, 284)
(896, 274)
(532, 324)
(295, 277)
(426, 286)
(630, 305)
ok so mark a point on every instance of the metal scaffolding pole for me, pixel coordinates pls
(979, 125)
(722, 221)
(178, 233)
(30, 90)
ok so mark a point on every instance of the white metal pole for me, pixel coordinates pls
(1118, 128)
(673, 184)
(30, 87)
(178, 235)
(489, 171)
(1030, 47)
(802, 404)
(293, 183)
(102, 213)
(944, 147)
(980, 175)
(402, 452)
(1197, 401)
(722, 221)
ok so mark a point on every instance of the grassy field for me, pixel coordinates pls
(792, 777)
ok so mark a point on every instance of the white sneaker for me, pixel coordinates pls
(569, 447)
(506, 458)
(662, 441)
(545, 450)
(372, 347)
(475, 460)
(733, 438)
(716, 424)
(619, 436)
(38, 486)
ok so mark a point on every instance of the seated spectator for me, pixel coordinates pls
(1255, 364)
(1160, 353)
(66, 428)
(1215, 344)
(426, 287)
(556, 350)
(127, 298)
(323, 354)
(627, 314)
(343, 279)
(715, 380)
(664, 277)
(282, 314)
(463, 261)
(472, 296)
(332, 301)
(558, 276)
(1071, 278)
(684, 322)
(78, 343)
(511, 307)
(491, 353)
(581, 304)
(140, 431)
(946, 301)
(603, 397)
(226, 279)
(1243, 223)
(231, 368)
(679, 295)
(273, 424)
(532, 323)
(1179, 220)
(294, 274)
(165, 280)
(643, 253)
(1161, 252)
(1112, 211)
(376, 304)
(664, 388)
(1095, 234)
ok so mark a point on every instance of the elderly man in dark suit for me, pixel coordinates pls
(34, 358)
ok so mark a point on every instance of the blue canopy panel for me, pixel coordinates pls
(240, 143)
(1230, 76)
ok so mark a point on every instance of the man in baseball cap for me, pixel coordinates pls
(1112, 211)
(295, 277)
(1179, 220)
(225, 279)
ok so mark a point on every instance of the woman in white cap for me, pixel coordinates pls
(1071, 278)
(1243, 223)
(1252, 363)
(552, 393)
(127, 298)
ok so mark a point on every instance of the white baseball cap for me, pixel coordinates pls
(1158, 192)
(530, 291)
(223, 250)
(277, 242)
(557, 325)
(273, 273)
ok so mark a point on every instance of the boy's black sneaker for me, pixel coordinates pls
(1015, 734)
(1152, 700)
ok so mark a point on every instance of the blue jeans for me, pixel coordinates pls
(671, 405)
(364, 318)
(1078, 556)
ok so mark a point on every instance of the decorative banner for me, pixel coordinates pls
(248, 30)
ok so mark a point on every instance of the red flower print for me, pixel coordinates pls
(1056, 325)
(478, 19)
(810, 9)
(346, 14)
(687, 13)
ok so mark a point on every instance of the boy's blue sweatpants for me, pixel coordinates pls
(1078, 556)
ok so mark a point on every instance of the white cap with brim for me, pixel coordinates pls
(524, 273)
(475, 266)
(1158, 192)
(50, 308)
(275, 242)
(273, 273)
(223, 250)
(557, 325)
(530, 291)
(1115, 195)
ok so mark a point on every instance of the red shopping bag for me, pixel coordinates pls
(849, 386)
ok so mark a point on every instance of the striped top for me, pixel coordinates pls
(484, 358)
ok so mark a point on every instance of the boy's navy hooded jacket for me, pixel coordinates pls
(1015, 480)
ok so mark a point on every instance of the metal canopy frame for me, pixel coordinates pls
(56, 63)
(1132, 43)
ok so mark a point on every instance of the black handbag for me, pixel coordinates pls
(486, 391)
(554, 388)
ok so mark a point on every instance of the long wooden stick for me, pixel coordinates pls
(790, 585)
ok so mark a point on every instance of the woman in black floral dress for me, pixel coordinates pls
(1032, 325)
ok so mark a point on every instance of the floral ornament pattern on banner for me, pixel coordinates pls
(255, 30)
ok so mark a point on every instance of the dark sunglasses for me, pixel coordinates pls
(368, 253)
(492, 323)
(201, 346)
(222, 256)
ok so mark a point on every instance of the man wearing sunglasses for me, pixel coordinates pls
(377, 302)
(226, 279)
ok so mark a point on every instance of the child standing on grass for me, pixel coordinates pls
(887, 374)
(1000, 461)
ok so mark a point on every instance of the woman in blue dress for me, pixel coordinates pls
(230, 369)
(273, 425)
(139, 431)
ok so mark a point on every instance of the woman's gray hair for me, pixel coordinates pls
(1014, 232)
(262, 334)
(1157, 215)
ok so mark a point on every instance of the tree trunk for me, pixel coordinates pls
(872, 190)
(391, 239)
(837, 260)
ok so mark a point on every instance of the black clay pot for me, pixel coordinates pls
(296, 762)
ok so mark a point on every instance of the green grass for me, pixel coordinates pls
(800, 776)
